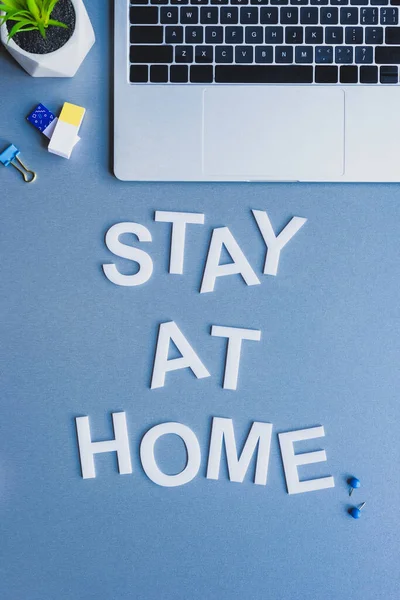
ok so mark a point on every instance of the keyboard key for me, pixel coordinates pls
(264, 54)
(369, 74)
(209, 16)
(254, 35)
(309, 16)
(189, 15)
(224, 54)
(151, 54)
(178, 2)
(280, 2)
(389, 16)
(314, 35)
(264, 74)
(240, 2)
(220, 2)
(269, 16)
(364, 55)
(201, 74)
(234, 35)
(298, 2)
(349, 16)
(178, 74)
(249, 15)
(369, 16)
(388, 74)
(184, 54)
(326, 74)
(319, 2)
(158, 1)
(379, 2)
(214, 35)
(283, 54)
(146, 35)
(333, 35)
(348, 74)
(174, 35)
(159, 73)
(353, 35)
(329, 16)
(293, 35)
(387, 55)
(229, 16)
(139, 74)
(244, 54)
(139, 1)
(259, 2)
(339, 2)
(323, 54)
(169, 16)
(359, 2)
(194, 35)
(198, 1)
(344, 54)
(274, 35)
(392, 35)
(203, 54)
(373, 35)
(289, 16)
(304, 54)
(144, 15)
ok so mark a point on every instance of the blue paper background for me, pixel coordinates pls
(74, 344)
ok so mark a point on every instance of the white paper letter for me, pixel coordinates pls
(222, 431)
(222, 236)
(235, 336)
(171, 332)
(149, 463)
(291, 461)
(275, 243)
(179, 221)
(125, 251)
(87, 448)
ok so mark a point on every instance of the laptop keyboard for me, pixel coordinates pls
(264, 41)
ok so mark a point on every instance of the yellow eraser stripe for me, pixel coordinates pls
(72, 114)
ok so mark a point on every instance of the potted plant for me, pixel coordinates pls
(48, 38)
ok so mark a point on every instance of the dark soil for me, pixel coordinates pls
(56, 37)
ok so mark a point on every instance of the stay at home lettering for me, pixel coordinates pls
(258, 442)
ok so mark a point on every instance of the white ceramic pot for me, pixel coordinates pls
(63, 62)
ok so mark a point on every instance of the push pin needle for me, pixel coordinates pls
(354, 483)
(356, 512)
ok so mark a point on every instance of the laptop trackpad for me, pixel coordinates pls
(294, 133)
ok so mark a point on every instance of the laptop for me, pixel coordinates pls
(257, 90)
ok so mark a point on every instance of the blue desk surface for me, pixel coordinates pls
(75, 344)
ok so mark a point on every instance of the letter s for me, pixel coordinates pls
(124, 251)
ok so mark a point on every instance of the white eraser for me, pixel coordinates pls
(65, 133)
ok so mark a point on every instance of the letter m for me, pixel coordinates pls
(259, 437)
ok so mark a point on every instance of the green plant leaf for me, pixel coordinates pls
(20, 4)
(33, 7)
(18, 26)
(42, 29)
(57, 24)
(48, 9)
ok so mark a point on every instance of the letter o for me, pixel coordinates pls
(149, 463)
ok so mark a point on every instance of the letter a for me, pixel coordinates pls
(171, 332)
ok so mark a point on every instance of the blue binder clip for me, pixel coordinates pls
(10, 156)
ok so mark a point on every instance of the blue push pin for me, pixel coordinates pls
(354, 483)
(356, 512)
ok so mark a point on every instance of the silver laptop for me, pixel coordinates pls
(257, 90)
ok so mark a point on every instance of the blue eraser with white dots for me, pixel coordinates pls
(43, 119)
